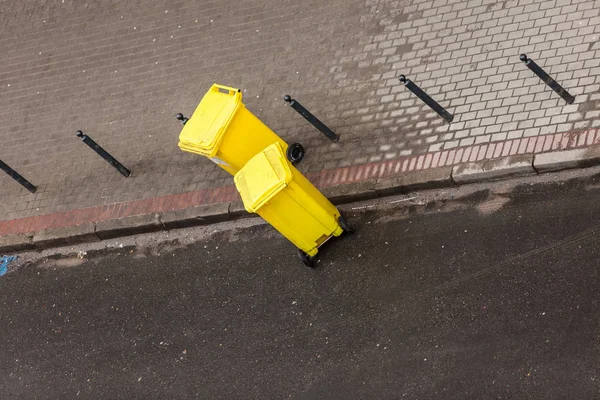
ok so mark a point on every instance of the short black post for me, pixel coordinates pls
(103, 153)
(331, 135)
(547, 79)
(181, 118)
(426, 99)
(17, 177)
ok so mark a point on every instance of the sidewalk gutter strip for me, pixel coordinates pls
(370, 186)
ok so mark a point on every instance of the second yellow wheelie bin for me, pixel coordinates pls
(223, 130)
(274, 189)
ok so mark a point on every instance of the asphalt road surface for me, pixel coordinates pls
(490, 296)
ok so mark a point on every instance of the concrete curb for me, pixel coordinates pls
(114, 228)
(67, 236)
(201, 215)
(479, 171)
(16, 243)
(490, 170)
(568, 159)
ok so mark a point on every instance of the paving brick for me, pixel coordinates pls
(128, 76)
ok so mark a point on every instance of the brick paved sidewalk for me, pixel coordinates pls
(120, 70)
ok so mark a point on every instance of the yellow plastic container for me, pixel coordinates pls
(271, 187)
(223, 130)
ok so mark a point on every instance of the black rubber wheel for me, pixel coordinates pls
(306, 259)
(345, 225)
(295, 153)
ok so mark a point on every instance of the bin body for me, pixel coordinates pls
(223, 130)
(271, 187)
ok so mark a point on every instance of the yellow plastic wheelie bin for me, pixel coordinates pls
(274, 189)
(223, 130)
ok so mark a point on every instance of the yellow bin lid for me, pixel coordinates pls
(205, 129)
(265, 175)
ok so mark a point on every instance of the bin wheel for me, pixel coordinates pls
(306, 259)
(295, 153)
(345, 224)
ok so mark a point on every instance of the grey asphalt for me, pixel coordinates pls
(490, 296)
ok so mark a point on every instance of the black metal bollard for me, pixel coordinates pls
(547, 79)
(17, 177)
(181, 118)
(426, 99)
(331, 135)
(103, 153)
